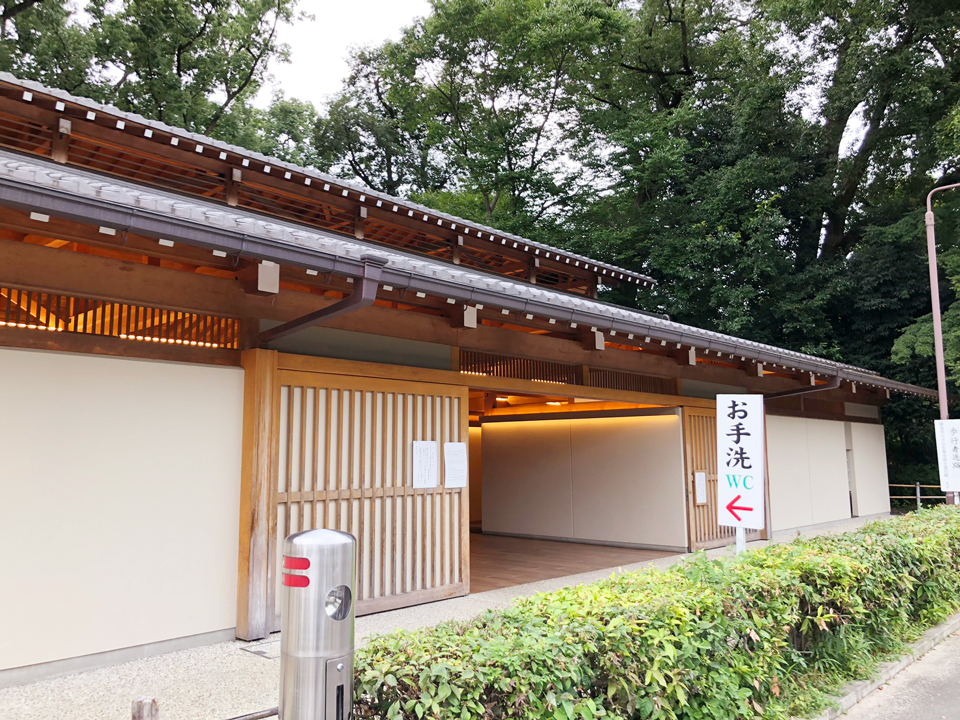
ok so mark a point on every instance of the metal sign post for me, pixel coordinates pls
(740, 464)
(952, 496)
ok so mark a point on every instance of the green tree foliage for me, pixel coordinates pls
(764, 159)
(195, 64)
(473, 107)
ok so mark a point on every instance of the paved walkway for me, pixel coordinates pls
(929, 689)
(233, 678)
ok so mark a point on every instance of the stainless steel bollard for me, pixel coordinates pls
(316, 627)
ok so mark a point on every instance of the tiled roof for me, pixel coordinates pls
(33, 183)
(32, 88)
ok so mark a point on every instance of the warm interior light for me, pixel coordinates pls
(554, 402)
(503, 399)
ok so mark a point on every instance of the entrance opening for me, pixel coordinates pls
(561, 486)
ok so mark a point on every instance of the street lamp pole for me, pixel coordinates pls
(952, 498)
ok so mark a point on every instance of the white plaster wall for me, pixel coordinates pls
(527, 481)
(788, 463)
(119, 502)
(808, 472)
(829, 481)
(617, 480)
(628, 480)
(871, 491)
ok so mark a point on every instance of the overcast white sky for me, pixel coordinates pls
(319, 48)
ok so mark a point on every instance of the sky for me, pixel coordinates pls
(319, 48)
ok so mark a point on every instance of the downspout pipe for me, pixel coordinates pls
(361, 297)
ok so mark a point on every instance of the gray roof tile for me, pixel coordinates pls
(459, 282)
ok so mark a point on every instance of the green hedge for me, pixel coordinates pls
(770, 633)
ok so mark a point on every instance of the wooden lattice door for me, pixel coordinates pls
(700, 449)
(324, 448)
(345, 462)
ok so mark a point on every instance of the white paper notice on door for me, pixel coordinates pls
(454, 464)
(700, 487)
(425, 468)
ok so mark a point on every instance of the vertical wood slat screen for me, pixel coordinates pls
(482, 363)
(472, 361)
(700, 443)
(53, 312)
(345, 463)
(620, 380)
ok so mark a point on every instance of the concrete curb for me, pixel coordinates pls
(855, 692)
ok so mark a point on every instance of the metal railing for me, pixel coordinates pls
(918, 496)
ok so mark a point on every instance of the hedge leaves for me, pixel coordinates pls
(769, 634)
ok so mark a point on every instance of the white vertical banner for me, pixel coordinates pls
(948, 453)
(740, 461)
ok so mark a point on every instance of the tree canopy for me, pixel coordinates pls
(766, 160)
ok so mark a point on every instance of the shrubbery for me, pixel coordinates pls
(770, 633)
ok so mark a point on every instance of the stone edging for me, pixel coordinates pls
(855, 692)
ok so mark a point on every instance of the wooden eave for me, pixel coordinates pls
(68, 256)
(107, 143)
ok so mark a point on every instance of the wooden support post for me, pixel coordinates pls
(585, 375)
(60, 147)
(145, 708)
(268, 278)
(463, 316)
(534, 266)
(593, 340)
(261, 407)
(455, 246)
(592, 290)
(232, 186)
(359, 220)
(455, 358)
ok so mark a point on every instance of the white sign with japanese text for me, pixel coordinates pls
(948, 453)
(740, 462)
(425, 467)
(455, 467)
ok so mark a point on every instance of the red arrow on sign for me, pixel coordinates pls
(731, 507)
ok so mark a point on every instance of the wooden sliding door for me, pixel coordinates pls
(342, 458)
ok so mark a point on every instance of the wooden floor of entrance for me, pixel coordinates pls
(498, 562)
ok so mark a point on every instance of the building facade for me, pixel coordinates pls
(204, 350)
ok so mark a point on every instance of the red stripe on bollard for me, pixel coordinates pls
(296, 563)
(295, 580)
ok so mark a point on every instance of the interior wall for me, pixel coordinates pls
(119, 499)
(807, 461)
(868, 458)
(527, 478)
(616, 480)
(475, 481)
